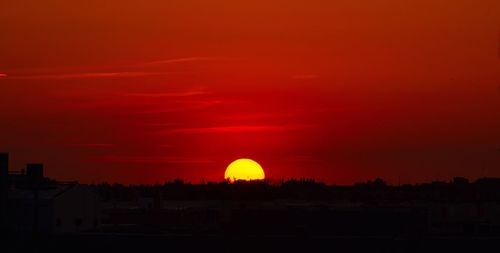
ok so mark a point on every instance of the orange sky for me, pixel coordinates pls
(340, 91)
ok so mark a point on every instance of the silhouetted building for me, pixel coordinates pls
(460, 181)
(4, 167)
(61, 208)
(40, 205)
(4, 177)
(34, 171)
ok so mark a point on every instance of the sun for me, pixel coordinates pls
(244, 169)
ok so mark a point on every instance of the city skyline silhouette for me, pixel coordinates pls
(250, 126)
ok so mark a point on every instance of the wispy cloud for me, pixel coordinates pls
(239, 129)
(81, 73)
(168, 94)
(179, 107)
(257, 116)
(301, 158)
(149, 159)
(85, 75)
(182, 60)
(305, 77)
(90, 145)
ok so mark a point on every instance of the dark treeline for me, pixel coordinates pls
(460, 189)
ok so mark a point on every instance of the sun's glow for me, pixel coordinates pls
(244, 169)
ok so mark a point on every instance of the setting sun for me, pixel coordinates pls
(244, 169)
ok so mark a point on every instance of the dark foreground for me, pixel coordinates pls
(293, 216)
(86, 243)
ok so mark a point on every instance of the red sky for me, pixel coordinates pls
(340, 91)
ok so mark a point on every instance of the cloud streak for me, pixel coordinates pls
(149, 159)
(239, 129)
(257, 116)
(192, 105)
(98, 74)
(168, 94)
(305, 77)
(90, 145)
(182, 60)
(88, 75)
